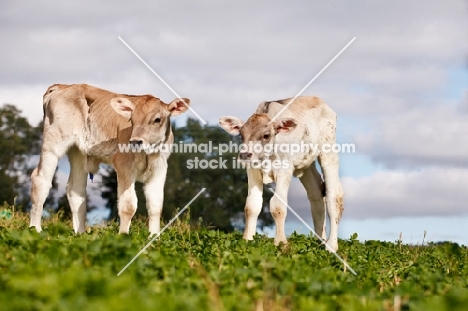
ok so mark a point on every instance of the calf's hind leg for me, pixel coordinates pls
(76, 189)
(41, 179)
(312, 182)
(334, 195)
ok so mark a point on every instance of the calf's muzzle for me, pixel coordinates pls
(245, 156)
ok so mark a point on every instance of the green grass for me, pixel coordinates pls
(199, 269)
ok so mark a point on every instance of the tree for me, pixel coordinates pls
(221, 205)
(18, 141)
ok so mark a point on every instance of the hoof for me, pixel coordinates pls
(332, 246)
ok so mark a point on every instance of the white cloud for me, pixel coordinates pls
(391, 194)
(392, 87)
(429, 136)
(28, 98)
(412, 229)
(428, 192)
(238, 54)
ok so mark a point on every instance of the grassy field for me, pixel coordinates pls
(198, 269)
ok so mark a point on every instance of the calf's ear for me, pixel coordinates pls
(285, 125)
(123, 106)
(232, 125)
(178, 106)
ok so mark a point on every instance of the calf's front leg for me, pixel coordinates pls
(253, 204)
(278, 205)
(154, 193)
(127, 201)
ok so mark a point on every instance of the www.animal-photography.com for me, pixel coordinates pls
(242, 155)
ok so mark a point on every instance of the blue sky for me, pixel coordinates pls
(400, 90)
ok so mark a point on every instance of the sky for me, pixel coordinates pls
(400, 90)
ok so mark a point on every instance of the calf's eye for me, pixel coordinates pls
(157, 120)
(266, 136)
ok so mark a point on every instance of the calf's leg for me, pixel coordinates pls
(253, 204)
(76, 189)
(127, 200)
(334, 195)
(41, 177)
(312, 182)
(278, 205)
(154, 193)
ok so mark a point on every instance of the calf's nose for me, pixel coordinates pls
(136, 141)
(245, 156)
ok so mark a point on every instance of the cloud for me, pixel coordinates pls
(390, 194)
(429, 136)
(225, 55)
(429, 192)
(394, 89)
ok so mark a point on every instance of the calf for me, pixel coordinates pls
(89, 125)
(270, 142)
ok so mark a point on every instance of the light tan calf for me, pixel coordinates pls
(89, 125)
(271, 155)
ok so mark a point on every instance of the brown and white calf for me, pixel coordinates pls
(308, 121)
(88, 124)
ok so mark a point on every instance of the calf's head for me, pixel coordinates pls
(150, 117)
(258, 134)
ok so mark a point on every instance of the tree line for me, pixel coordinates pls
(220, 206)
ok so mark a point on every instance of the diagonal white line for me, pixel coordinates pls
(159, 234)
(313, 79)
(160, 79)
(313, 231)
